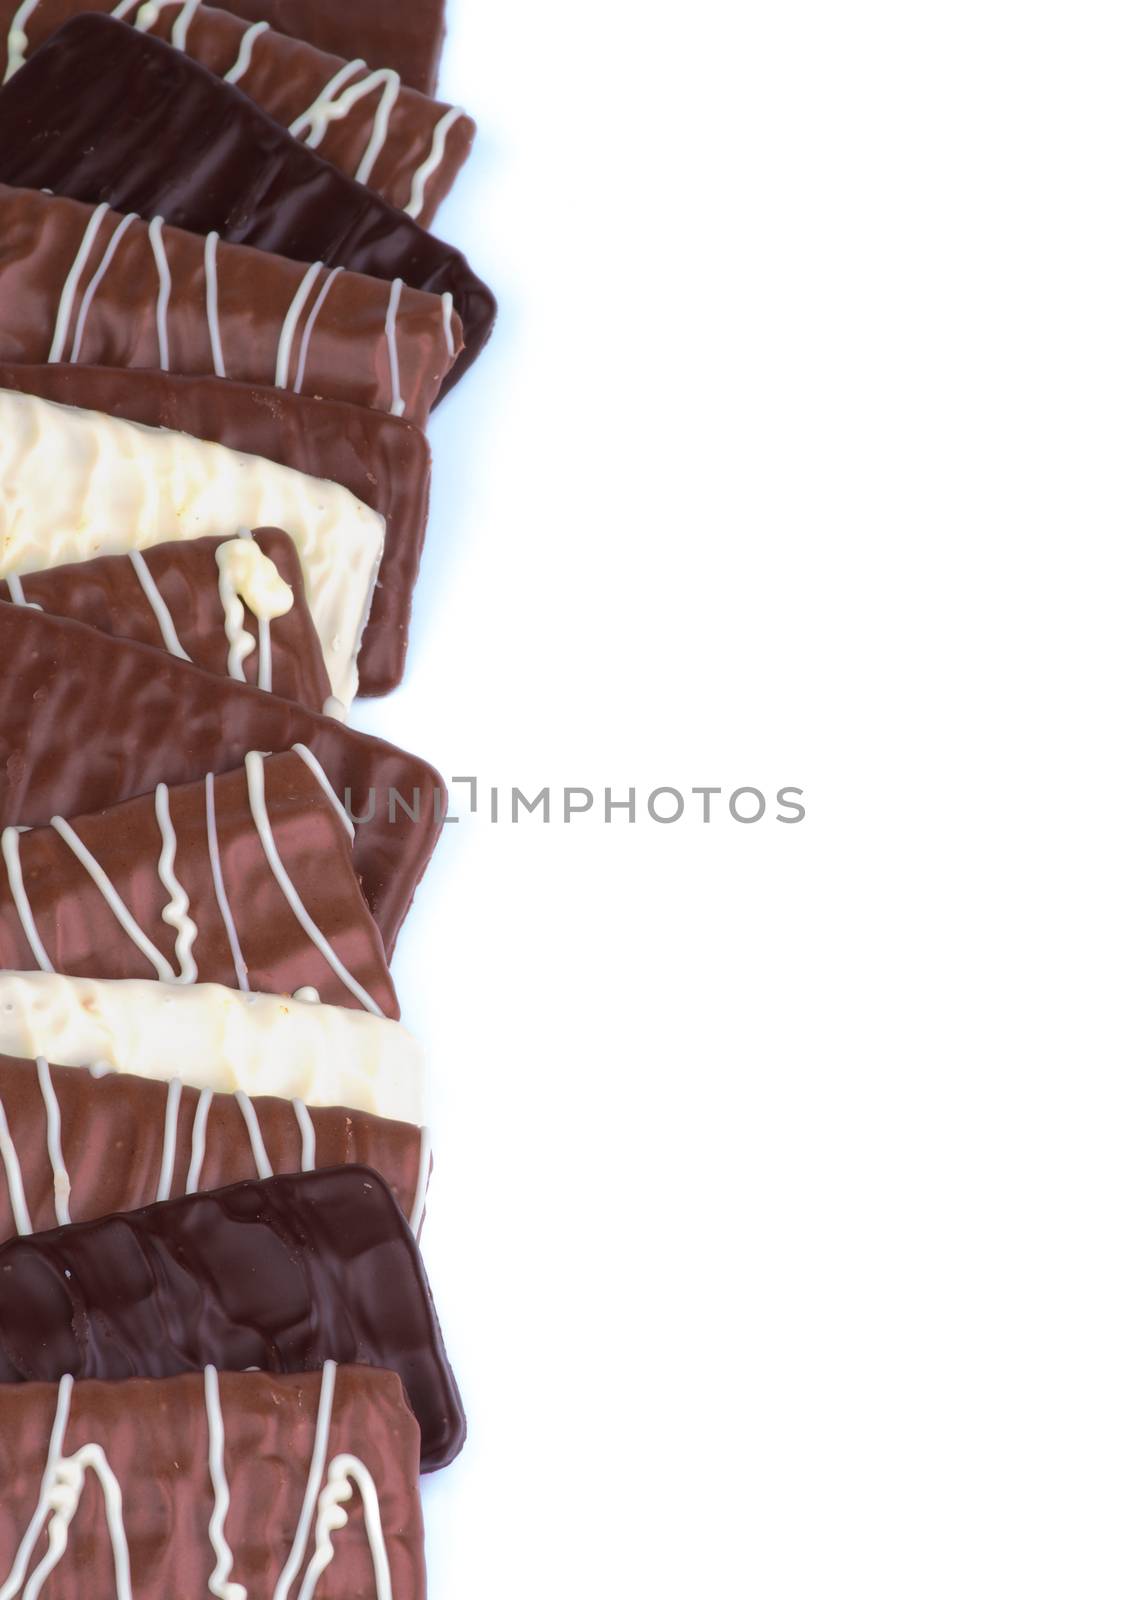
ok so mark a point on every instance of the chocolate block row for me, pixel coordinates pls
(106, 114)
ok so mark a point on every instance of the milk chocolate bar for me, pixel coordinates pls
(197, 1485)
(81, 283)
(78, 1144)
(209, 1037)
(79, 484)
(282, 1274)
(405, 34)
(104, 113)
(381, 459)
(87, 721)
(368, 124)
(244, 879)
(183, 596)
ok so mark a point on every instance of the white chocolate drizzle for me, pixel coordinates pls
(64, 1491)
(380, 129)
(158, 250)
(289, 326)
(61, 1182)
(114, 900)
(182, 24)
(247, 577)
(71, 282)
(241, 971)
(35, 1527)
(213, 326)
(431, 161)
(303, 352)
(158, 605)
(16, 593)
(308, 1135)
(198, 1140)
(97, 278)
(176, 912)
(397, 404)
(314, 121)
(257, 1143)
(322, 777)
(10, 849)
(170, 1138)
(18, 38)
(344, 1471)
(313, 1483)
(249, 39)
(446, 318)
(15, 1178)
(218, 1583)
(256, 787)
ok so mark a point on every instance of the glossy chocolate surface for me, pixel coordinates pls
(287, 77)
(327, 334)
(156, 1436)
(281, 1274)
(381, 459)
(106, 593)
(267, 949)
(87, 720)
(103, 112)
(116, 1144)
(405, 34)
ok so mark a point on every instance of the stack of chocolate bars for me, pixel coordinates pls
(223, 327)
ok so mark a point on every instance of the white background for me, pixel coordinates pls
(785, 1221)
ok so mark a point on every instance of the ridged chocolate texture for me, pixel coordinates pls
(87, 721)
(405, 34)
(103, 112)
(381, 459)
(108, 593)
(156, 1436)
(143, 299)
(117, 1140)
(288, 78)
(281, 1274)
(51, 906)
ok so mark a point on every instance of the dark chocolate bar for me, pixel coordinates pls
(245, 880)
(381, 459)
(171, 596)
(104, 113)
(405, 34)
(87, 720)
(368, 124)
(282, 1274)
(82, 1144)
(84, 284)
(197, 1485)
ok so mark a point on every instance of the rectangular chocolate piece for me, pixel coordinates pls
(177, 597)
(170, 1289)
(405, 34)
(370, 125)
(381, 459)
(87, 721)
(245, 879)
(103, 112)
(85, 1144)
(79, 484)
(159, 1489)
(210, 1037)
(82, 283)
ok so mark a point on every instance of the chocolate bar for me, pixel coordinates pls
(213, 1038)
(244, 879)
(282, 1274)
(104, 113)
(78, 1144)
(405, 34)
(87, 720)
(368, 124)
(213, 1483)
(79, 484)
(81, 283)
(192, 597)
(380, 459)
